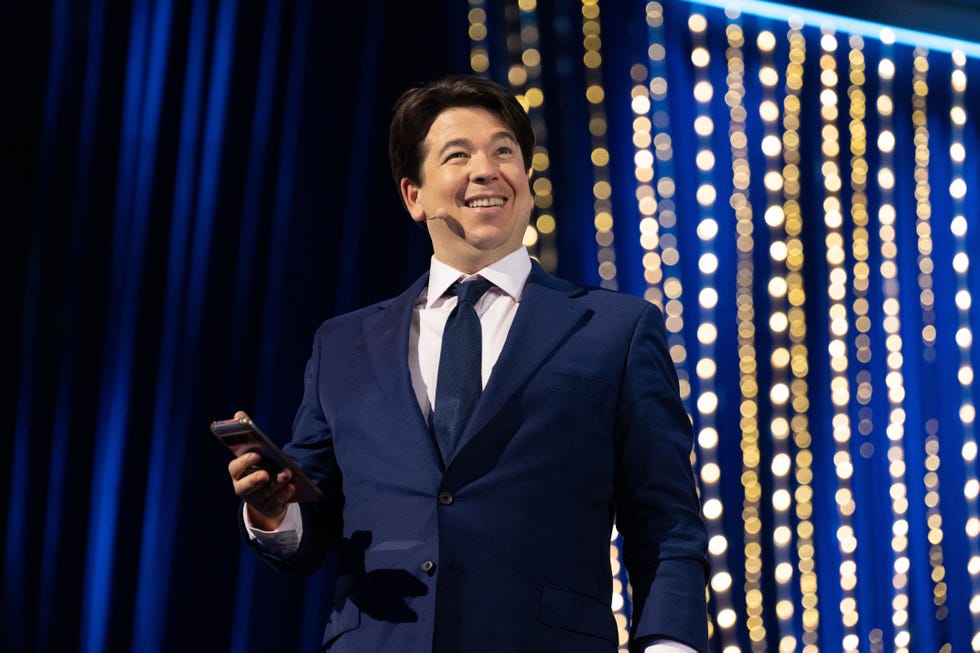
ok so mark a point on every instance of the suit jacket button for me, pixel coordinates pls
(429, 567)
(446, 498)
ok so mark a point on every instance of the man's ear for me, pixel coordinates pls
(412, 196)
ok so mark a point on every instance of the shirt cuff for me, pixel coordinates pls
(667, 646)
(284, 540)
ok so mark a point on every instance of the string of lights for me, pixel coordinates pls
(838, 318)
(595, 95)
(477, 31)
(779, 393)
(643, 171)
(663, 272)
(891, 324)
(525, 77)
(959, 225)
(923, 208)
(745, 324)
(661, 262)
(788, 252)
(707, 332)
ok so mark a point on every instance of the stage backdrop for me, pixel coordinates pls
(193, 186)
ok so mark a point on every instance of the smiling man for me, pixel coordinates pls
(475, 194)
(476, 437)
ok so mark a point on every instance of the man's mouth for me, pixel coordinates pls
(483, 202)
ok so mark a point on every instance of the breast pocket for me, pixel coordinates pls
(580, 411)
(576, 384)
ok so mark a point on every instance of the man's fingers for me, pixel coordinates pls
(267, 495)
(242, 466)
(253, 485)
(283, 493)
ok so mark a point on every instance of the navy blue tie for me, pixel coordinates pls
(459, 383)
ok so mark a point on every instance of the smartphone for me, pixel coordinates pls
(242, 436)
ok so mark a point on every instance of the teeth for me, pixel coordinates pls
(489, 201)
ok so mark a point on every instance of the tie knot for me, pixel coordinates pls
(470, 291)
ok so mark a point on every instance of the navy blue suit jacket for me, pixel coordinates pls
(506, 548)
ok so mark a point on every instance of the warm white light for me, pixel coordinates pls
(707, 402)
(886, 68)
(775, 217)
(708, 297)
(971, 488)
(964, 337)
(700, 57)
(708, 438)
(766, 41)
(726, 618)
(780, 464)
(703, 91)
(707, 229)
(717, 545)
(643, 159)
(708, 263)
(781, 500)
(697, 23)
(703, 126)
(886, 141)
(958, 226)
(963, 300)
(961, 262)
(771, 145)
(721, 581)
(712, 509)
(969, 451)
(957, 188)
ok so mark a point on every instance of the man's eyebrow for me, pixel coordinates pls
(456, 142)
(465, 142)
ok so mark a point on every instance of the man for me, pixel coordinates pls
(471, 521)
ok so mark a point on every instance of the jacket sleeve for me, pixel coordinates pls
(312, 449)
(657, 507)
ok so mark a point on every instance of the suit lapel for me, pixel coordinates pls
(545, 317)
(386, 334)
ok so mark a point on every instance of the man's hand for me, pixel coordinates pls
(265, 497)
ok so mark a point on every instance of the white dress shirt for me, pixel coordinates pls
(496, 310)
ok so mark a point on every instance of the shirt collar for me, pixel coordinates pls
(509, 274)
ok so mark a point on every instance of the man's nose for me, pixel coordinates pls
(483, 168)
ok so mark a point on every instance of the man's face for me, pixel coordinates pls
(475, 194)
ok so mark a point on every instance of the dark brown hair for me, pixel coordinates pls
(418, 108)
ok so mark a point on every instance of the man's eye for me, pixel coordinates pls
(506, 149)
(455, 155)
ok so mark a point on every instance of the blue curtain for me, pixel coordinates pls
(193, 187)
